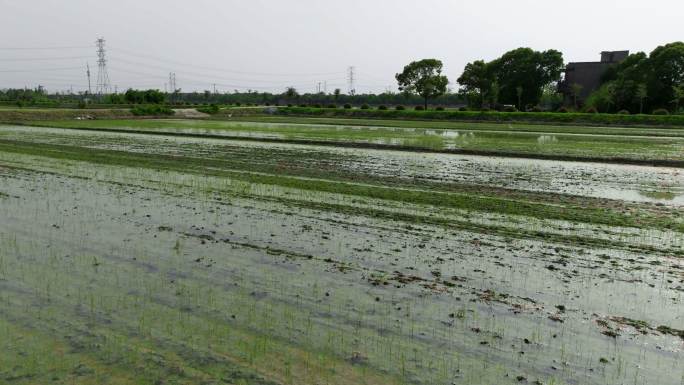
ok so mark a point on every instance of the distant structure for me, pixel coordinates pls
(583, 78)
(103, 85)
(351, 80)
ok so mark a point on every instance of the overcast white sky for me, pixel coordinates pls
(269, 44)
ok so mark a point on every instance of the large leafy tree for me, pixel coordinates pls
(522, 68)
(529, 69)
(424, 78)
(646, 82)
(477, 79)
(666, 72)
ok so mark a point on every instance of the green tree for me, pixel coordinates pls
(642, 94)
(665, 72)
(424, 78)
(576, 90)
(528, 68)
(519, 92)
(678, 92)
(476, 78)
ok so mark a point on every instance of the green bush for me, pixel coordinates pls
(439, 108)
(563, 110)
(661, 111)
(591, 110)
(623, 112)
(400, 108)
(420, 108)
(317, 106)
(382, 108)
(211, 110)
(331, 106)
(463, 109)
(365, 107)
(347, 106)
(151, 110)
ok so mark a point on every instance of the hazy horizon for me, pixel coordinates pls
(268, 45)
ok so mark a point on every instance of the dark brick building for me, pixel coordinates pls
(587, 75)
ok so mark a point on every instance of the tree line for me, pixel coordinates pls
(522, 79)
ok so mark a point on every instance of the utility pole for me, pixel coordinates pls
(351, 78)
(103, 85)
(90, 91)
(172, 86)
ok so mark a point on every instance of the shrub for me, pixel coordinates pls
(535, 109)
(365, 107)
(484, 109)
(463, 109)
(347, 106)
(623, 112)
(440, 108)
(510, 109)
(237, 104)
(420, 108)
(383, 108)
(400, 108)
(302, 105)
(332, 106)
(289, 104)
(591, 110)
(82, 104)
(661, 111)
(563, 110)
(151, 110)
(211, 110)
(316, 106)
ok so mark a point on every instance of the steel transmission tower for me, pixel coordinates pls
(103, 85)
(172, 82)
(351, 78)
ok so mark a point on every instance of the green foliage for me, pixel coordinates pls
(347, 106)
(151, 110)
(602, 99)
(518, 77)
(382, 108)
(144, 97)
(423, 78)
(591, 110)
(400, 108)
(623, 112)
(365, 107)
(211, 109)
(439, 108)
(647, 82)
(331, 106)
(661, 111)
(420, 108)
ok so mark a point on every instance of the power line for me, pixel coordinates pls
(45, 58)
(41, 48)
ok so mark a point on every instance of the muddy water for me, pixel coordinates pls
(429, 304)
(621, 182)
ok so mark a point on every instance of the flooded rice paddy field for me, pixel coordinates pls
(150, 259)
(636, 144)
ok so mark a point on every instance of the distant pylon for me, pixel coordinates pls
(351, 78)
(172, 82)
(103, 85)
